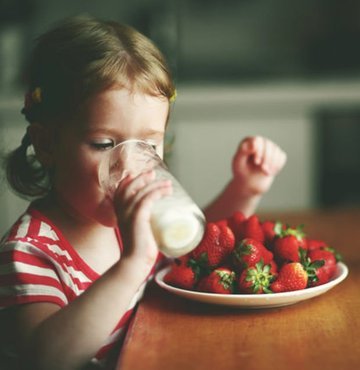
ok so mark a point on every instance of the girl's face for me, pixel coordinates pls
(104, 121)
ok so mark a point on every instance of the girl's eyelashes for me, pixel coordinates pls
(102, 144)
(107, 144)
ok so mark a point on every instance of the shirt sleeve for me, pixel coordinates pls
(28, 275)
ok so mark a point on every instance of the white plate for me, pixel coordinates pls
(255, 300)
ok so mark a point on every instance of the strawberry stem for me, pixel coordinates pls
(260, 277)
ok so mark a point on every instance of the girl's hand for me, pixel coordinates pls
(133, 201)
(257, 161)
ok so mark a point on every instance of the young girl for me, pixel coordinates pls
(73, 267)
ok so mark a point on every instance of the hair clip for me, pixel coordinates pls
(33, 97)
(173, 97)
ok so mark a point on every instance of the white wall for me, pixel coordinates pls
(204, 152)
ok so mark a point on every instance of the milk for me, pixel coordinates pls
(177, 225)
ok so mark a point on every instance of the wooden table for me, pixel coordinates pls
(322, 333)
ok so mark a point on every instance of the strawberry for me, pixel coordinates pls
(223, 222)
(252, 229)
(327, 270)
(217, 244)
(182, 260)
(249, 252)
(292, 276)
(288, 243)
(336, 254)
(219, 281)
(256, 279)
(235, 222)
(271, 229)
(321, 277)
(273, 267)
(226, 239)
(314, 244)
(181, 276)
(210, 238)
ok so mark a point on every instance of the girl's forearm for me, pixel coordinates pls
(71, 337)
(229, 201)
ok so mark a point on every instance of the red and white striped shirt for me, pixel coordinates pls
(37, 264)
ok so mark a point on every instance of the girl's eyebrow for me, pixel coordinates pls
(110, 132)
(102, 131)
(152, 133)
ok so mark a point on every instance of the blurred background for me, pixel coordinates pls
(285, 69)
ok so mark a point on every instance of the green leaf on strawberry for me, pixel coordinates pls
(256, 279)
(311, 267)
(278, 228)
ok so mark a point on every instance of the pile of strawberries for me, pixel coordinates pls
(240, 255)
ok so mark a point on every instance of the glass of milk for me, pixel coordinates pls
(177, 222)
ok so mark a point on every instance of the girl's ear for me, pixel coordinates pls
(42, 139)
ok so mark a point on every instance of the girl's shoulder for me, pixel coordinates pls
(33, 234)
(32, 267)
(34, 239)
(32, 226)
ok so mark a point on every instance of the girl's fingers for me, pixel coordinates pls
(246, 146)
(135, 200)
(144, 203)
(259, 150)
(128, 189)
(148, 188)
(276, 160)
(280, 160)
(130, 185)
(267, 160)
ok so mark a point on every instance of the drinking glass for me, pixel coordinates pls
(177, 222)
